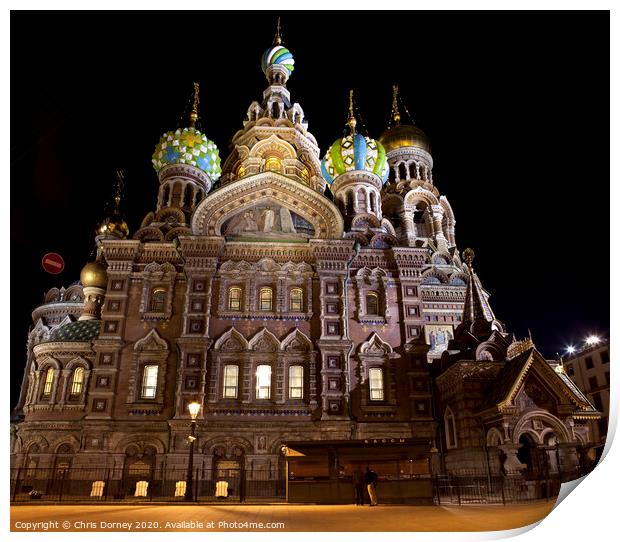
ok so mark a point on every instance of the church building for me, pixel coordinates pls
(315, 306)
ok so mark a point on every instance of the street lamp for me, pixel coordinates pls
(592, 340)
(194, 409)
(570, 350)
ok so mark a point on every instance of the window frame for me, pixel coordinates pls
(258, 387)
(296, 304)
(235, 289)
(77, 386)
(373, 388)
(144, 385)
(298, 380)
(225, 382)
(158, 299)
(264, 290)
(48, 382)
(375, 295)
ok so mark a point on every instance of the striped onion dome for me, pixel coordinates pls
(278, 54)
(354, 153)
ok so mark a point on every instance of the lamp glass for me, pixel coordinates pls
(194, 409)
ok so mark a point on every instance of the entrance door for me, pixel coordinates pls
(227, 480)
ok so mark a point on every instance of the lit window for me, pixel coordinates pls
(149, 381)
(231, 378)
(305, 176)
(295, 382)
(372, 303)
(240, 172)
(49, 381)
(266, 299)
(263, 382)
(272, 164)
(158, 300)
(375, 379)
(296, 300)
(78, 381)
(234, 299)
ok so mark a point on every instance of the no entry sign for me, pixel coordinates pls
(53, 263)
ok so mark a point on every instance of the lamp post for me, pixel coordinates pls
(194, 409)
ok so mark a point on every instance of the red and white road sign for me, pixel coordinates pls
(53, 263)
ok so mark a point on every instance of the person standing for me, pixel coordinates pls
(371, 483)
(358, 482)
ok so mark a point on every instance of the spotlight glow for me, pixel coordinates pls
(570, 349)
(592, 340)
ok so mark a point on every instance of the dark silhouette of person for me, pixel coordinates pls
(371, 483)
(358, 482)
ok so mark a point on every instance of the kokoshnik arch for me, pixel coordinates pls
(319, 311)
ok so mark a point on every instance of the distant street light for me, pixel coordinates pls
(194, 409)
(592, 340)
(570, 349)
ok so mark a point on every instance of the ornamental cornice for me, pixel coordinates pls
(57, 309)
(59, 348)
(120, 249)
(158, 252)
(236, 196)
(278, 252)
(184, 171)
(408, 153)
(355, 177)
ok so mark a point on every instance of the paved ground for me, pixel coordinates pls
(285, 517)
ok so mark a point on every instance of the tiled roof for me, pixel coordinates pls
(80, 331)
(505, 379)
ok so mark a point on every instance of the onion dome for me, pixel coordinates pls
(404, 135)
(354, 152)
(188, 146)
(278, 55)
(94, 274)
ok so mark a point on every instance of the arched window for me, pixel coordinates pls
(234, 298)
(158, 300)
(49, 381)
(266, 299)
(373, 205)
(361, 200)
(231, 381)
(350, 202)
(402, 171)
(375, 384)
(450, 428)
(77, 384)
(272, 163)
(296, 300)
(149, 381)
(263, 382)
(372, 303)
(295, 382)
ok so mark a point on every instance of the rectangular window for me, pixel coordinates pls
(234, 299)
(593, 382)
(598, 403)
(263, 382)
(607, 377)
(605, 357)
(589, 363)
(295, 382)
(231, 379)
(375, 380)
(266, 299)
(571, 370)
(149, 381)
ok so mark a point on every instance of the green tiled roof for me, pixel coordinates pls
(80, 331)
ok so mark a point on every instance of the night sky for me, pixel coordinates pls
(516, 106)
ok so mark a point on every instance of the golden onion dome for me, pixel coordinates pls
(94, 274)
(113, 226)
(404, 135)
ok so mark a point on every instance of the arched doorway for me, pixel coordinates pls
(228, 474)
(138, 471)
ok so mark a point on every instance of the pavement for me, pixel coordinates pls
(278, 518)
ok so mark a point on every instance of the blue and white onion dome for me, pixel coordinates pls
(188, 146)
(355, 153)
(278, 55)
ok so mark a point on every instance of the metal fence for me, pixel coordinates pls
(479, 488)
(101, 484)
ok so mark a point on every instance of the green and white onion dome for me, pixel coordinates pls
(354, 153)
(278, 54)
(188, 146)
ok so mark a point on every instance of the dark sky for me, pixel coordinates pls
(516, 106)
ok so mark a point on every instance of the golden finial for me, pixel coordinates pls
(278, 39)
(468, 256)
(352, 122)
(395, 110)
(193, 116)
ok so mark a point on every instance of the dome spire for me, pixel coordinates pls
(278, 39)
(193, 116)
(114, 226)
(395, 109)
(352, 121)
